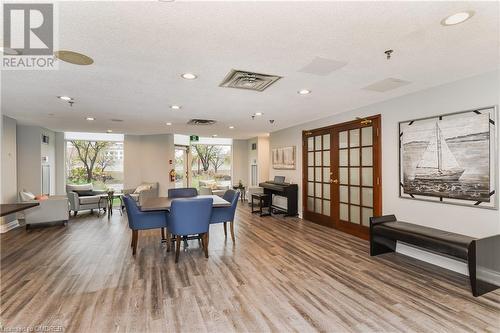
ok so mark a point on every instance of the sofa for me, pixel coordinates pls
(84, 197)
(211, 187)
(143, 191)
(51, 209)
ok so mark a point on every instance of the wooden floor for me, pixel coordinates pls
(282, 275)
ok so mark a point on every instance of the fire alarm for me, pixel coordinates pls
(169, 161)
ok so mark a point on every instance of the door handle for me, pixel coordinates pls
(334, 181)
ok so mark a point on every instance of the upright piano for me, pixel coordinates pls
(278, 187)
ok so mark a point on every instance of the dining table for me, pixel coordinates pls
(164, 203)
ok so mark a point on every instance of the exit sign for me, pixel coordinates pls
(194, 138)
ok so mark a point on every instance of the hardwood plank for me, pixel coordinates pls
(282, 274)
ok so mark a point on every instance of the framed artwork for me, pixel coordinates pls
(451, 158)
(284, 158)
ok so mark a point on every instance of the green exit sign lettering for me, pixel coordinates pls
(194, 138)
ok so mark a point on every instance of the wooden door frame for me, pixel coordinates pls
(356, 230)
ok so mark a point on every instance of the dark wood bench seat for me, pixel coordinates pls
(481, 255)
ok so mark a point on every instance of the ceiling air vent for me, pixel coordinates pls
(201, 122)
(248, 80)
(386, 85)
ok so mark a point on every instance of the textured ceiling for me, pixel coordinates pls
(140, 50)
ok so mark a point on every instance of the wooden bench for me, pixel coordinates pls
(481, 255)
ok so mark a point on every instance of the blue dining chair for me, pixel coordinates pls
(185, 192)
(190, 216)
(226, 214)
(138, 220)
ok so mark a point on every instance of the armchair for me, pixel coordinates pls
(53, 209)
(143, 191)
(226, 214)
(79, 202)
(138, 220)
(185, 192)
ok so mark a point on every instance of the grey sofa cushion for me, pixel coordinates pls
(90, 199)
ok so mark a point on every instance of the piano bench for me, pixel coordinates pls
(264, 200)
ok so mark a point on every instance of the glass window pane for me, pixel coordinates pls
(344, 212)
(354, 157)
(310, 188)
(354, 138)
(354, 176)
(310, 144)
(317, 206)
(367, 176)
(310, 204)
(326, 191)
(326, 175)
(367, 196)
(366, 136)
(310, 159)
(354, 214)
(343, 139)
(326, 158)
(343, 179)
(367, 156)
(310, 174)
(367, 213)
(317, 144)
(343, 194)
(343, 157)
(318, 190)
(326, 141)
(354, 195)
(317, 177)
(317, 159)
(326, 207)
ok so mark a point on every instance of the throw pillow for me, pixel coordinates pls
(85, 193)
(26, 196)
(41, 197)
(142, 188)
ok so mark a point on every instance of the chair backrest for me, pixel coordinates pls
(232, 196)
(185, 192)
(132, 210)
(190, 216)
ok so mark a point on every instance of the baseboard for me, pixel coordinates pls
(487, 275)
(9, 226)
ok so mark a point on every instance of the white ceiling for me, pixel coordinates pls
(140, 50)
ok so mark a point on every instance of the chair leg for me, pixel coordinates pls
(169, 240)
(225, 229)
(205, 241)
(136, 236)
(207, 238)
(162, 234)
(231, 228)
(132, 239)
(177, 248)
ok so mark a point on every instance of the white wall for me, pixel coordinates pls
(29, 152)
(240, 163)
(263, 156)
(474, 92)
(8, 181)
(478, 91)
(147, 159)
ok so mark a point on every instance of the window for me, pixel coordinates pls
(94, 158)
(211, 163)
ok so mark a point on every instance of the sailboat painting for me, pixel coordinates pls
(449, 156)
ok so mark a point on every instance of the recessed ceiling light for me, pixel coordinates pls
(8, 51)
(90, 118)
(231, 127)
(74, 58)
(109, 131)
(214, 135)
(175, 107)
(303, 92)
(189, 76)
(258, 114)
(65, 98)
(169, 124)
(457, 18)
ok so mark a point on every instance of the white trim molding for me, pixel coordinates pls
(9, 226)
